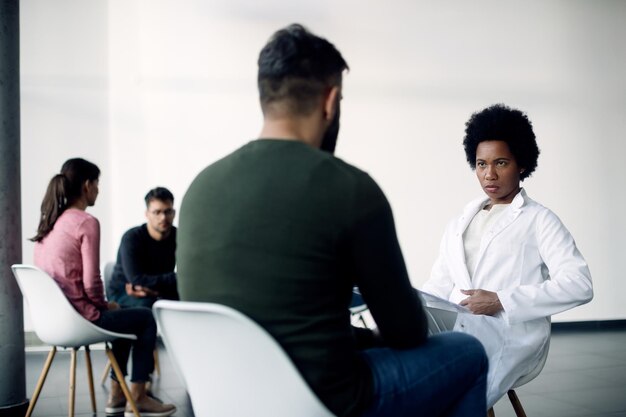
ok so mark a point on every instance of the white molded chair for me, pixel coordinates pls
(58, 324)
(515, 402)
(107, 275)
(230, 365)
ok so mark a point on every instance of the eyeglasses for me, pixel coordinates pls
(166, 212)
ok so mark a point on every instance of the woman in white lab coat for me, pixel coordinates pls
(507, 261)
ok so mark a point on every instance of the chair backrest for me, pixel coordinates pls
(357, 304)
(107, 274)
(55, 320)
(535, 372)
(230, 365)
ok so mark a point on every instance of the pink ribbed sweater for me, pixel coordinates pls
(70, 253)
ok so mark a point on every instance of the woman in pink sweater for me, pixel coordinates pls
(68, 248)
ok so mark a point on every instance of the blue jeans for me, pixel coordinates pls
(140, 322)
(125, 301)
(447, 376)
(128, 301)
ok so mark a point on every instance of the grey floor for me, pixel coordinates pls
(53, 400)
(585, 375)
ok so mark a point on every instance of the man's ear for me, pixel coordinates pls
(330, 102)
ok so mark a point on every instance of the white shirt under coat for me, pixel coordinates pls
(531, 261)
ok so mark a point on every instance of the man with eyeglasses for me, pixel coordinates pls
(146, 259)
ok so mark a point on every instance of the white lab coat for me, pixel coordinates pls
(531, 261)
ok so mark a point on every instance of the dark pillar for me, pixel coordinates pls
(12, 359)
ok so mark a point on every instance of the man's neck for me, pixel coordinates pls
(295, 129)
(156, 235)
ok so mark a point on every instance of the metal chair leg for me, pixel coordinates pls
(92, 394)
(121, 380)
(517, 405)
(40, 382)
(72, 396)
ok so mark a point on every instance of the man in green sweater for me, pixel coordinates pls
(282, 230)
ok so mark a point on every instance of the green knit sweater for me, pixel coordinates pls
(282, 231)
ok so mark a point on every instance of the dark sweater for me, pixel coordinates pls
(142, 260)
(282, 232)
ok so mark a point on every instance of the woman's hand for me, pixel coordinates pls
(482, 302)
(139, 291)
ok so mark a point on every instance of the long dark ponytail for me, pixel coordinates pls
(63, 190)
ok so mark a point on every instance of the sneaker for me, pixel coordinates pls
(114, 408)
(151, 408)
(154, 397)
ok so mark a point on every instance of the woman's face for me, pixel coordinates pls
(92, 191)
(497, 171)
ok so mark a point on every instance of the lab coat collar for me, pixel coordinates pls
(520, 200)
(476, 205)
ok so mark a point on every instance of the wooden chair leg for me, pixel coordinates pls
(491, 413)
(40, 382)
(92, 394)
(157, 365)
(517, 405)
(72, 383)
(105, 373)
(121, 380)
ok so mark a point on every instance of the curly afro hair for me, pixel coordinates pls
(500, 122)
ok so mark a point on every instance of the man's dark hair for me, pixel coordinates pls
(159, 193)
(295, 67)
(499, 122)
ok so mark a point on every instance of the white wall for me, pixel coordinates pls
(153, 91)
(64, 94)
